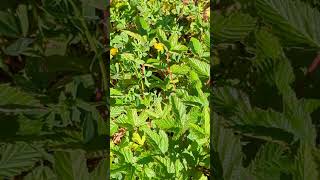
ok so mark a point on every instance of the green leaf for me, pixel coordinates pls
(201, 67)
(179, 110)
(305, 166)
(17, 158)
(232, 28)
(22, 12)
(269, 162)
(135, 36)
(71, 165)
(101, 172)
(160, 141)
(41, 173)
(13, 96)
(179, 48)
(89, 128)
(196, 46)
(180, 69)
(57, 46)
(268, 44)
(18, 47)
(8, 25)
(227, 161)
(144, 24)
(162, 35)
(173, 40)
(29, 126)
(296, 22)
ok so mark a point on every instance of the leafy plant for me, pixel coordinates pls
(159, 67)
(52, 74)
(265, 104)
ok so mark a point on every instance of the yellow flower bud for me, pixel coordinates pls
(113, 51)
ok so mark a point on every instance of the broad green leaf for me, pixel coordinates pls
(233, 28)
(71, 165)
(296, 22)
(13, 96)
(201, 67)
(268, 44)
(227, 150)
(17, 158)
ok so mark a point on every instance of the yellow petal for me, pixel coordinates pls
(113, 51)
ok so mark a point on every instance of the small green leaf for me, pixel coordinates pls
(8, 25)
(22, 13)
(144, 24)
(196, 46)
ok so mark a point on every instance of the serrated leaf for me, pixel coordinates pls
(16, 158)
(233, 28)
(71, 165)
(13, 96)
(201, 67)
(196, 46)
(295, 21)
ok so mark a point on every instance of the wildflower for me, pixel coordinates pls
(113, 51)
(158, 46)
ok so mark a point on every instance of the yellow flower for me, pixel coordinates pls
(113, 51)
(158, 46)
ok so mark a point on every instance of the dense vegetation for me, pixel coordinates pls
(266, 89)
(159, 97)
(52, 73)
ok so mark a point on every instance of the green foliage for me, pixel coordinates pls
(160, 114)
(265, 104)
(51, 64)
